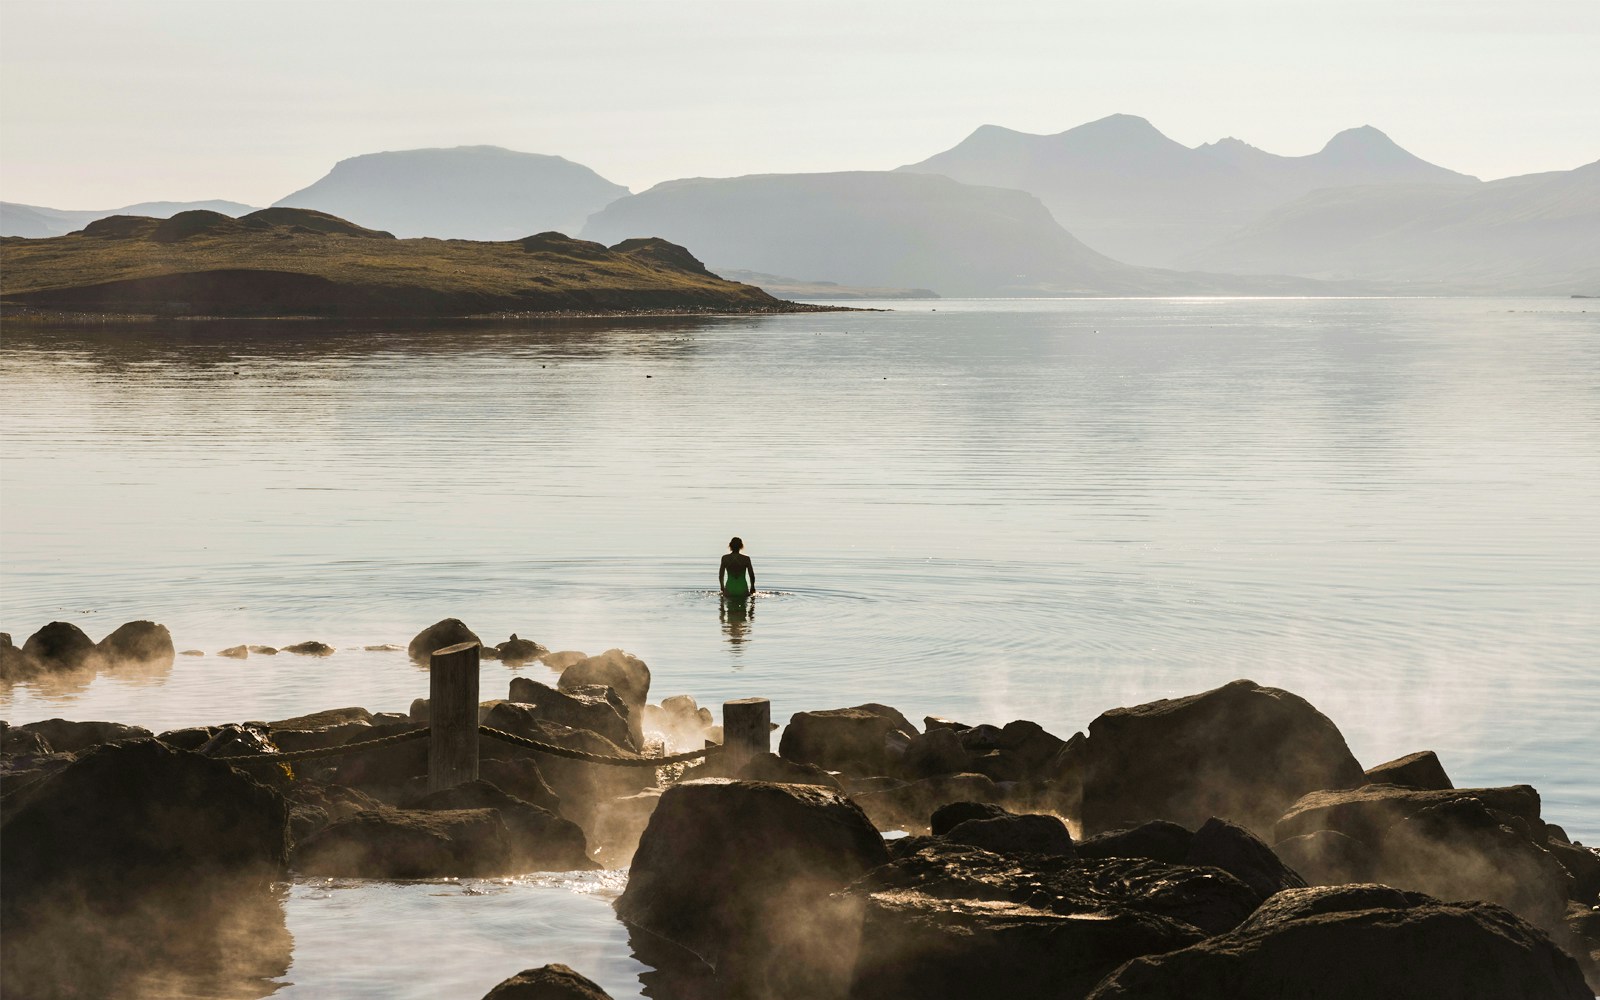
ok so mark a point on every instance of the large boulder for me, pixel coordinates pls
(771, 767)
(585, 789)
(65, 736)
(139, 644)
(539, 840)
(854, 740)
(138, 857)
(440, 635)
(594, 707)
(409, 843)
(1359, 941)
(1327, 857)
(1157, 840)
(1242, 752)
(907, 805)
(739, 873)
(60, 646)
(936, 752)
(514, 652)
(548, 982)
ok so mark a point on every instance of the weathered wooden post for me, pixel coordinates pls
(746, 732)
(453, 716)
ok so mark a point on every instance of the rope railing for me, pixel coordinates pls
(552, 749)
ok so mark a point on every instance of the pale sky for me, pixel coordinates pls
(106, 104)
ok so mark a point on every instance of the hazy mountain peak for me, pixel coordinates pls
(465, 192)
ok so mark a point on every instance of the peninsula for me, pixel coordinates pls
(283, 262)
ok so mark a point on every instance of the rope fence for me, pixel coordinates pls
(552, 749)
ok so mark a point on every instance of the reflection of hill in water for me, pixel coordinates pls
(221, 343)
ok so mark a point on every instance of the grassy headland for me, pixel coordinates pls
(282, 262)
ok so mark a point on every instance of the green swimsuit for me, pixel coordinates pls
(737, 585)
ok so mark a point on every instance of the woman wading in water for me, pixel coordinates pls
(736, 577)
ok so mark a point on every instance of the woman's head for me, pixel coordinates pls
(735, 543)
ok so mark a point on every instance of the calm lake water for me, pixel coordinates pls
(982, 509)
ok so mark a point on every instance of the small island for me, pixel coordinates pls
(293, 262)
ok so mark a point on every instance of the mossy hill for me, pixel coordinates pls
(299, 262)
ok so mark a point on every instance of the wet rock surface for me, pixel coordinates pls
(548, 982)
(1420, 770)
(538, 840)
(409, 843)
(1359, 941)
(854, 740)
(594, 707)
(142, 643)
(514, 652)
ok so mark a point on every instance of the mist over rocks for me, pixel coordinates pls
(134, 856)
(739, 873)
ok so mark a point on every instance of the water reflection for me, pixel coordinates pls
(737, 614)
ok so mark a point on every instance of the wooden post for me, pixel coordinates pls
(746, 732)
(453, 715)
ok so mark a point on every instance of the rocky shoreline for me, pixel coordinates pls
(1224, 844)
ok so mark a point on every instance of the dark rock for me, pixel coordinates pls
(312, 648)
(920, 947)
(326, 719)
(1583, 864)
(235, 652)
(133, 856)
(845, 739)
(521, 777)
(1328, 857)
(236, 740)
(313, 805)
(1242, 854)
(1364, 813)
(771, 767)
(596, 708)
(70, 737)
(1241, 751)
(191, 652)
(1419, 770)
(1157, 840)
(22, 741)
(264, 650)
(620, 823)
(192, 738)
(739, 873)
(409, 843)
(539, 840)
(932, 722)
(139, 643)
(1205, 898)
(1028, 834)
(548, 982)
(1359, 941)
(60, 646)
(948, 817)
(934, 753)
(440, 635)
(514, 652)
(561, 659)
(290, 740)
(905, 846)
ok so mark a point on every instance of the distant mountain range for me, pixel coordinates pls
(467, 193)
(1110, 207)
(882, 228)
(38, 223)
(1539, 233)
(1125, 189)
